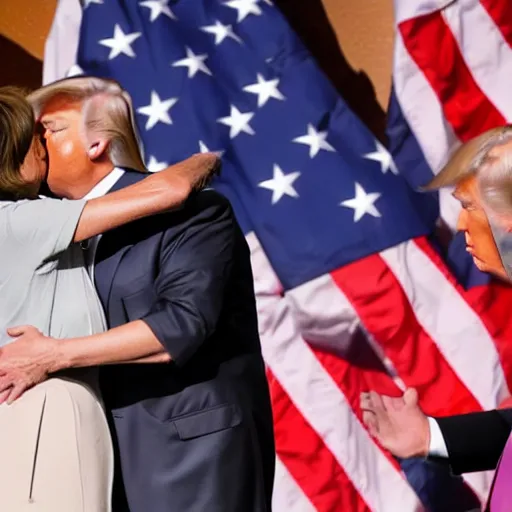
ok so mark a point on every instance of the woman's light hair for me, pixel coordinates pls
(107, 110)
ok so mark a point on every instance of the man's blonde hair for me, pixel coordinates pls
(107, 110)
(467, 158)
(492, 170)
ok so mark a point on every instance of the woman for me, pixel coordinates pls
(55, 446)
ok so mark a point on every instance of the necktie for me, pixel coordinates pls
(501, 497)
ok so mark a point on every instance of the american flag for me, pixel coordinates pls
(353, 290)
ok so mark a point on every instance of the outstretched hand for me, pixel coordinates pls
(397, 423)
(25, 362)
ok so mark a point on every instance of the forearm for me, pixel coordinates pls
(130, 343)
(163, 357)
(149, 196)
(154, 194)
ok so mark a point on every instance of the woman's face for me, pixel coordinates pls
(34, 168)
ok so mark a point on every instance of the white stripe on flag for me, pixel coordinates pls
(436, 303)
(425, 118)
(288, 496)
(490, 64)
(429, 292)
(324, 318)
(321, 402)
(62, 42)
(407, 9)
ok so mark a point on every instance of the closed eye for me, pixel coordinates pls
(55, 130)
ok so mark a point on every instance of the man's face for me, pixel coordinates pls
(68, 161)
(474, 223)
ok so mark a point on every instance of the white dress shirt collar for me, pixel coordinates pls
(99, 190)
(103, 186)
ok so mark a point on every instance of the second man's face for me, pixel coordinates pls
(473, 222)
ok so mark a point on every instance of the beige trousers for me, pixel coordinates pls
(55, 450)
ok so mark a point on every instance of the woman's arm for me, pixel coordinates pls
(33, 356)
(127, 343)
(163, 357)
(156, 193)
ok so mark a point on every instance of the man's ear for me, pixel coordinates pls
(97, 149)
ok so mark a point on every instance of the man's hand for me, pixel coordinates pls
(397, 423)
(25, 362)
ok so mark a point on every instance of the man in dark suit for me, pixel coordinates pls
(196, 433)
(481, 173)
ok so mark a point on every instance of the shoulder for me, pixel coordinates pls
(6, 206)
(42, 209)
(202, 211)
(13, 210)
(32, 204)
(207, 200)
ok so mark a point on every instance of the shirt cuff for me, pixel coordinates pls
(437, 446)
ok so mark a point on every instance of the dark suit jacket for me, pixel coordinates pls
(475, 441)
(196, 434)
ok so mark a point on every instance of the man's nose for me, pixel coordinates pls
(462, 221)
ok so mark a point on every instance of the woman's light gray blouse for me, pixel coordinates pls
(43, 279)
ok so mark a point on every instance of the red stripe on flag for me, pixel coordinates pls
(431, 44)
(308, 460)
(501, 13)
(385, 311)
(360, 370)
(491, 303)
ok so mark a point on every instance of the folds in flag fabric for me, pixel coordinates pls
(351, 291)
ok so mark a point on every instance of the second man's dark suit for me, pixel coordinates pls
(196, 434)
(475, 441)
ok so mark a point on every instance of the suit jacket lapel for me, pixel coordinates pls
(108, 256)
(105, 270)
(128, 178)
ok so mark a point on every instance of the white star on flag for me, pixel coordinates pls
(362, 203)
(315, 140)
(203, 148)
(157, 110)
(89, 2)
(238, 122)
(120, 43)
(154, 165)
(194, 63)
(74, 70)
(281, 184)
(244, 8)
(220, 32)
(158, 7)
(265, 89)
(383, 156)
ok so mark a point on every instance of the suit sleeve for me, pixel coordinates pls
(475, 441)
(194, 269)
